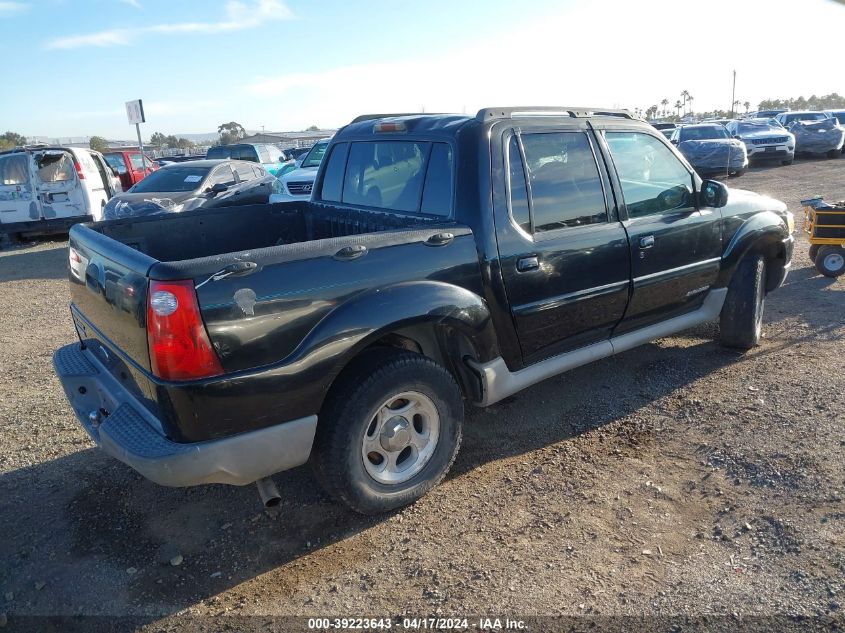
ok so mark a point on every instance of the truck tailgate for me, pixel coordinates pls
(109, 293)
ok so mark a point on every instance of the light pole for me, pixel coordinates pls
(733, 96)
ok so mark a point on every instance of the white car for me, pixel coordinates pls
(764, 139)
(48, 189)
(297, 184)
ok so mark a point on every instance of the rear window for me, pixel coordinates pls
(172, 178)
(408, 176)
(219, 152)
(55, 167)
(13, 170)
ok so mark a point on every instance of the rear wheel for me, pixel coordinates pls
(389, 431)
(830, 261)
(8, 239)
(834, 153)
(741, 322)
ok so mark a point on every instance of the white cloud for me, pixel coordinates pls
(239, 16)
(11, 8)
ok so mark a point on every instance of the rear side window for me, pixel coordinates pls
(13, 170)
(245, 172)
(333, 178)
(55, 167)
(437, 193)
(566, 188)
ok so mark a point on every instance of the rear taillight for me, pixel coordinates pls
(79, 171)
(179, 345)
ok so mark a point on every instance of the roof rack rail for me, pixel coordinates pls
(370, 117)
(492, 114)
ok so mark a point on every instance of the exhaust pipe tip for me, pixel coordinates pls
(270, 496)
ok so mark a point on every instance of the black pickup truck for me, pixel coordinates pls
(442, 259)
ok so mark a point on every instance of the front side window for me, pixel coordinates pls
(564, 180)
(263, 154)
(653, 179)
(137, 163)
(222, 175)
(115, 161)
(245, 172)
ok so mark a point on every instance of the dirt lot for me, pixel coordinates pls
(676, 479)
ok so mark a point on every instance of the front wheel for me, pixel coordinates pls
(786, 163)
(389, 431)
(741, 321)
(739, 172)
(834, 153)
(830, 261)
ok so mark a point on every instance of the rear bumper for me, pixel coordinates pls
(124, 429)
(52, 225)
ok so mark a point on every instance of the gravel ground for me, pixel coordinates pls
(679, 479)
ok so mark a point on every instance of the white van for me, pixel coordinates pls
(48, 189)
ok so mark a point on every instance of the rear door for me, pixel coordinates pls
(58, 185)
(563, 252)
(94, 181)
(18, 196)
(675, 246)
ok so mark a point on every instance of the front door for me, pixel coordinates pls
(675, 246)
(563, 252)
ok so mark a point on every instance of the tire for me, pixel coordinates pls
(739, 172)
(834, 153)
(353, 459)
(814, 250)
(786, 163)
(8, 239)
(830, 261)
(741, 321)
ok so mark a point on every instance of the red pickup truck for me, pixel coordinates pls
(130, 167)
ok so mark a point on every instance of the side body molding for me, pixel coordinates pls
(499, 382)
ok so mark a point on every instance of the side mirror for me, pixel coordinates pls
(219, 188)
(713, 194)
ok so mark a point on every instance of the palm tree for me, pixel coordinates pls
(747, 105)
(689, 100)
(678, 106)
(664, 103)
(685, 96)
(735, 105)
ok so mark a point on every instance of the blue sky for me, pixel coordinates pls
(287, 64)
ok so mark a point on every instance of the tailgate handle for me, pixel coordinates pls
(351, 252)
(440, 239)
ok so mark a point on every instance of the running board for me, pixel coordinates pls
(499, 382)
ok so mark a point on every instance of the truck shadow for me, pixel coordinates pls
(88, 526)
(22, 262)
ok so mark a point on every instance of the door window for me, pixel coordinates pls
(333, 179)
(245, 172)
(13, 169)
(518, 190)
(222, 175)
(437, 192)
(263, 154)
(653, 179)
(55, 167)
(137, 163)
(565, 185)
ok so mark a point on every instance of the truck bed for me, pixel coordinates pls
(307, 261)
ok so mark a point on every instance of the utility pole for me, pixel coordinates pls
(733, 96)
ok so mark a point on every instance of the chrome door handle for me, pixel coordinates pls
(525, 264)
(647, 241)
